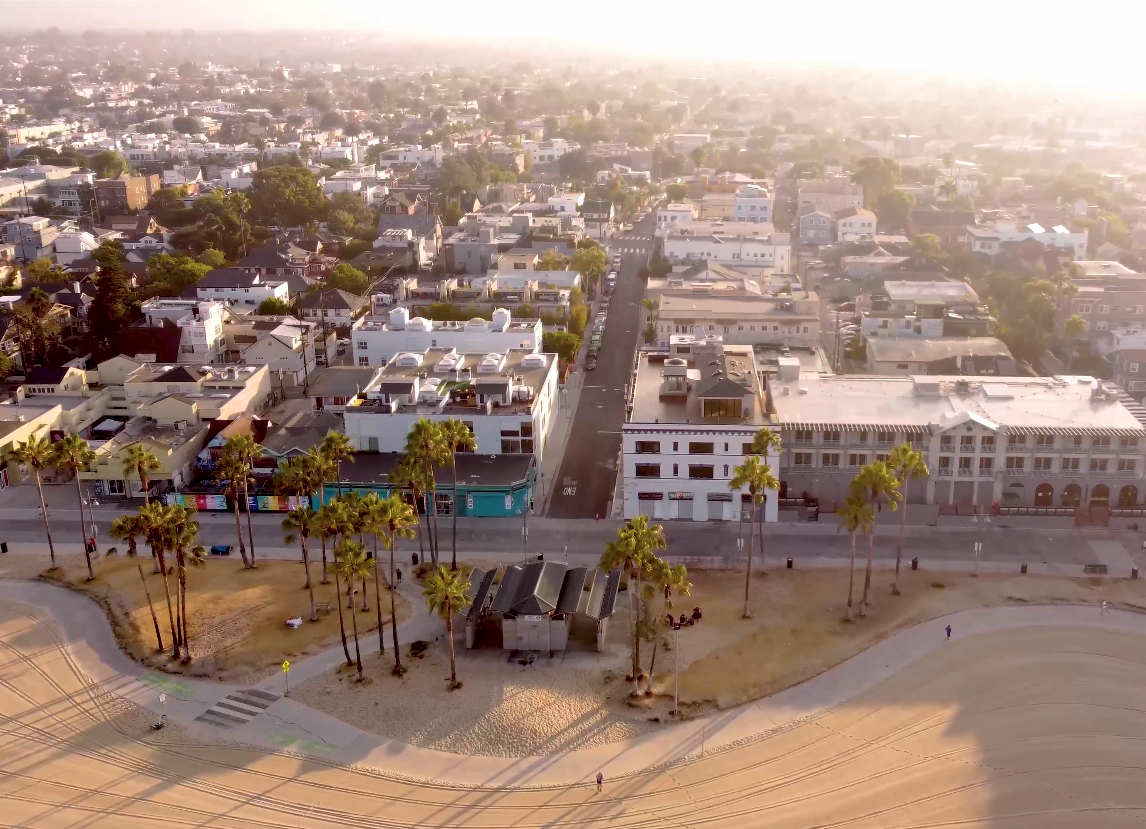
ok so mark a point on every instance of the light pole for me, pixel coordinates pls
(979, 544)
(677, 624)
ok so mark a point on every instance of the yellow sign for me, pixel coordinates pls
(286, 667)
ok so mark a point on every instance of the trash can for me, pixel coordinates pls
(1023, 569)
(915, 563)
(3, 546)
(789, 563)
(1133, 570)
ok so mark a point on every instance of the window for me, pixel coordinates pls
(725, 447)
(801, 458)
(1098, 464)
(675, 470)
(721, 407)
(1085, 307)
(1129, 443)
(1042, 464)
(700, 471)
(1132, 368)
(361, 345)
(1070, 464)
(914, 438)
(987, 465)
(966, 443)
(802, 435)
(1016, 440)
(946, 443)
(856, 459)
(1103, 309)
(965, 464)
(701, 448)
(1077, 442)
(1127, 465)
(1102, 442)
(371, 444)
(648, 447)
(987, 443)
(1101, 325)
(726, 470)
(831, 436)
(902, 366)
(746, 449)
(830, 460)
(1044, 441)
(861, 437)
(115, 488)
(363, 360)
(648, 470)
(885, 438)
(674, 446)
(945, 462)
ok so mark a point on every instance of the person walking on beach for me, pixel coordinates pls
(600, 780)
(949, 633)
(1103, 611)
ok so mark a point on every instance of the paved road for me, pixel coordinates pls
(1029, 717)
(588, 472)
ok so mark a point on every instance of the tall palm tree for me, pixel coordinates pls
(635, 552)
(139, 458)
(156, 519)
(351, 562)
(234, 470)
(353, 506)
(36, 454)
(878, 482)
(128, 528)
(669, 579)
(457, 437)
(184, 534)
(299, 523)
(855, 515)
(319, 469)
(424, 445)
(73, 454)
(398, 521)
(765, 442)
(757, 478)
(332, 523)
(244, 449)
(336, 447)
(907, 465)
(408, 475)
(447, 592)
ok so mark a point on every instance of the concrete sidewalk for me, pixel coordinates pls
(89, 641)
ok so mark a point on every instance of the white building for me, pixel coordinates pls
(741, 320)
(692, 419)
(567, 202)
(686, 142)
(507, 399)
(752, 203)
(674, 214)
(854, 224)
(376, 341)
(544, 152)
(242, 291)
(74, 244)
(991, 239)
(737, 245)
(412, 154)
(200, 326)
(829, 195)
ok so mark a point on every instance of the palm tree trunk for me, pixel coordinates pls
(378, 602)
(341, 624)
(250, 532)
(748, 563)
(633, 618)
(325, 578)
(899, 538)
(150, 607)
(454, 540)
(450, 643)
(83, 536)
(44, 515)
(851, 576)
(867, 573)
(357, 651)
(429, 536)
(143, 482)
(239, 533)
(434, 519)
(183, 606)
(365, 596)
(309, 586)
(760, 531)
(398, 669)
(170, 610)
(653, 663)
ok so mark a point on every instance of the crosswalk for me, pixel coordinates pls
(636, 238)
(238, 708)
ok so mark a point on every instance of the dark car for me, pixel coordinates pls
(590, 363)
(221, 549)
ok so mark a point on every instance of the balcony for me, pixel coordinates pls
(966, 473)
(1129, 473)
(830, 441)
(1072, 473)
(945, 472)
(1013, 472)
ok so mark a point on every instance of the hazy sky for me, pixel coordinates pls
(1094, 45)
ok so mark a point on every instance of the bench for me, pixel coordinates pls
(323, 607)
(1094, 569)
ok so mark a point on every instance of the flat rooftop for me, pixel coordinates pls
(737, 365)
(1058, 405)
(712, 306)
(944, 290)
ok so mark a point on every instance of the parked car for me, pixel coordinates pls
(590, 363)
(221, 549)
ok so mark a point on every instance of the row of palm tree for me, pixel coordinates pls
(878, 482)
(755, 476)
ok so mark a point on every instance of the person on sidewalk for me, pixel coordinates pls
(398, 576)
(600, 780)
(949, 633)
(1103, 611)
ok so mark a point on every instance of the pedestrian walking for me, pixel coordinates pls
(949, 633)
(1103, 611)
(600, 780)
(398, 575)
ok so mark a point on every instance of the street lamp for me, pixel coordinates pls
(676, 624)
(979, 544)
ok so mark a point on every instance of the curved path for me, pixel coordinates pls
(1029, 717)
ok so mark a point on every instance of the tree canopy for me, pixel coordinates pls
(112, 310)
(108, 164)
(287, 197)
(877, 176)
(348, 278)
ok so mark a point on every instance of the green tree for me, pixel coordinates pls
(907, 465)
(287, 197)
(332, 522)
(894, 207)
(112, 310)
(36, 454)
(878, 482)
(426, 448)
(927, 244)
(456, 437)
(398, 520)
(1074, 327)
(591, 264)
(140, 460)
(234, 467)
(174, 274)
(129, 528)
(186, 125)
(300, 523)
(676, 192)
(356, 218)
(447, 592)
(109, 253)
(108, 164)
(351, 563)
(757, 478)
(855, 515)
(440, 116)
(183, 533)
(877, 176)
(410, 475)
(45, 270)
(72, 454)
(346, 277)
(634, 552)
(552, 259)
(212, 258)
(564, 344)
(156, 520)
(273, 306)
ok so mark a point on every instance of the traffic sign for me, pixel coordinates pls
(286, 666)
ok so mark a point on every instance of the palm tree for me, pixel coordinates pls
(457, 437)
(244, 449)
(332, 523)
(335, 448)
(156, 520)
(670, 579)
(855, 515)
(764, 442)
(128, 528)
(757, 478)
(635, 552)
(447, 592)
(300, 522)
(356, 513)
(139, 458)
(877, 481)
(184, 534)
(424, 445)
(408, 475)
(907, 465)
(319, 469)
(948, 190)
(350, 561)
(397, 519)
(72, 454)
(36, 454)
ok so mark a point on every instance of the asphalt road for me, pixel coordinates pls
(588, 471)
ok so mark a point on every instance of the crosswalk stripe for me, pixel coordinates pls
(246, 700)
(238, 708)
